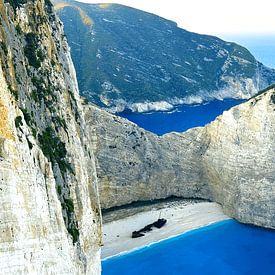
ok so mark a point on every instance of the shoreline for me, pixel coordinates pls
(171, 104)
(180, 219)
(185, 233)
(174, 107)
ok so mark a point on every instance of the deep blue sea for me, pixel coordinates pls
(181, 119)
(224, 248)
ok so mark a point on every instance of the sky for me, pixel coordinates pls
(216, 17)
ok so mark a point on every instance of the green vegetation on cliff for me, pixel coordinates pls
(16, 3)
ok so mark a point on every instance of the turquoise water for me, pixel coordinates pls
(181, 119)
(225, 248)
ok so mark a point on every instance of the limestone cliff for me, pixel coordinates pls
(230, 161)
(49, 217)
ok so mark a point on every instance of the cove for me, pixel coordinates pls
(182, 118)
(226, 247)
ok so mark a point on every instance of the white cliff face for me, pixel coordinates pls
(240, 160)
(49, 217)
(230, 161)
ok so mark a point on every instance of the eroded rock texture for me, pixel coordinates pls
(230, 161)
(49, 217)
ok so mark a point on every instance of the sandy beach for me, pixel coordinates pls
(180, 218)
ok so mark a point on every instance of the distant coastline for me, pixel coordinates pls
(173, 103)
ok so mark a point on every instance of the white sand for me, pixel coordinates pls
(117, 235)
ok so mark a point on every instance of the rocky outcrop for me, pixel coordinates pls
(137, 165)
(49, 217)
(239, 162)
(230, 161)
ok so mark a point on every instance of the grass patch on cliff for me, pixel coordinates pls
(4, 47)
(16, 3)
(35, 56)
(54, 149)
(61, 122)
(68, 207)
(1, 147)
(18, 121)
(27, 117)
(59, 190)
(44, 92)
(49, 5)
(74, 233)
(18, 29)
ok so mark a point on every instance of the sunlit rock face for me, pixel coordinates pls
(230, 161)
(240, 162)
(49, 209)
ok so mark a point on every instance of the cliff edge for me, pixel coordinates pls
(50, 216)
(230, 161)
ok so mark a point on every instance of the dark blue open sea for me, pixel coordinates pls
(181, 119)
(224, 248)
